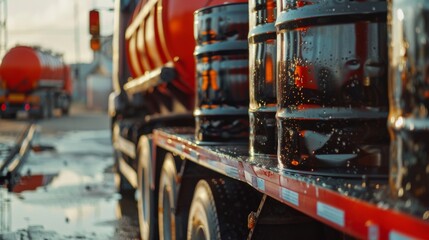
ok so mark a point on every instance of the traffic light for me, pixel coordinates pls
(94, 30)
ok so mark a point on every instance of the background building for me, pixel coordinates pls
(93, 81)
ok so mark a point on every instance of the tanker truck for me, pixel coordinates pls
(35, 82)
(266, 119)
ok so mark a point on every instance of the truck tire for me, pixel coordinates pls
(171, 224)
(219, 210)
(146, 199)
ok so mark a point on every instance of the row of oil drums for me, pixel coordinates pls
(310, 80)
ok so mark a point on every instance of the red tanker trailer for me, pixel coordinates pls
(35, 82)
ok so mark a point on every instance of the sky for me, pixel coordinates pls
(52, 25)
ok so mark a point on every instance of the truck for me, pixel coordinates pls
(35, 83)
(266, 119)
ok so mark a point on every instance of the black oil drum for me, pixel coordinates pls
(262, 77)
(332, 81)
(221, 54)
(409, 101)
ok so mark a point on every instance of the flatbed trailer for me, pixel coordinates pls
(360, 207)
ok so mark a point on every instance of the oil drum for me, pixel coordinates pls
(332, 87)
(222, 67)
(409, 100)
(262, 77)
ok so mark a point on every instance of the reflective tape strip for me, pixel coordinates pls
(394, 235)
(194, 154)
(232, 172)
(290, 196)
(260, 183)
(331, 213)
(373, 232)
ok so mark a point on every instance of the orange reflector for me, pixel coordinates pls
(3, 107)
(27, 107)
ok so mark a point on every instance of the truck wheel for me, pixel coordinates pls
(170, 226)
(219, 210)
(203, 221)
(146, 200)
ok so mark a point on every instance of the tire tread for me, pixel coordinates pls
(234, 201)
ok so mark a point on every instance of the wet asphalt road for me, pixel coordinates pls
(67, 191)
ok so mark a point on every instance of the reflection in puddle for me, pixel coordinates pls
(70, 191)
(5, 211)
(32, 182)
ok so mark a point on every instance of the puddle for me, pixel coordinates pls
(69, 190)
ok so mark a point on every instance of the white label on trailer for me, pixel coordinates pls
(232, 172)
(212, 163)
(290, 196)
(373, 232)
(260, 183)
(394, 235)
(331, 213)
(161, 141)
(179, 148)
(194, 154)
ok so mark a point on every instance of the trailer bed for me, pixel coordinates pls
(360, 206)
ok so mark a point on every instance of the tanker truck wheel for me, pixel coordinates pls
(219, 210)
(170, 222)
(146, 199)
